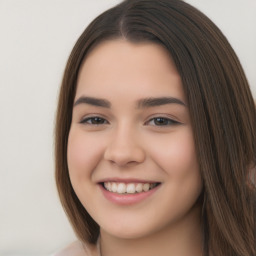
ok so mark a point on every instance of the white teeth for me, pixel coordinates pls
(113, 187)
(107, 185)
(130, 188)
(146, 187)
(121, 188)
(139, 187)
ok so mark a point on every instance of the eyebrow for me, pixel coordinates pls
(152, 102)
(142, 103)
(93, 101)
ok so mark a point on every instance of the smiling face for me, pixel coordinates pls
(131, 153)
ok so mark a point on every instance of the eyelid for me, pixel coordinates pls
(84, 119)
(172, 121)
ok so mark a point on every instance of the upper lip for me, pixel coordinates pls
(128, 180)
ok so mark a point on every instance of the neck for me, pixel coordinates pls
(183, 238)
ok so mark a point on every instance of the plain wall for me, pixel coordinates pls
(35, 41)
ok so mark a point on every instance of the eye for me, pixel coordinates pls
(94, 120)
(162, 121)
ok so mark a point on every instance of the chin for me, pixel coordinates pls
(128, 231)
(132, 234)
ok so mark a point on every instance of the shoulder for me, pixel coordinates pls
(74, 249)
(78, 248)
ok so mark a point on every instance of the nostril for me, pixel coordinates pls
(124, 156)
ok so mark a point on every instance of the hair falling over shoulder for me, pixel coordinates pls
(221, 107)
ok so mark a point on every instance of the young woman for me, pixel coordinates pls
(156, 137)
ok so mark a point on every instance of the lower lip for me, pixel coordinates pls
(127, 199)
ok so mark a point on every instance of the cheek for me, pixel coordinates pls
(83, 153)
(176, 156)
(175, 152)
(183, 179)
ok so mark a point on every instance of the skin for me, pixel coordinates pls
(128, 141)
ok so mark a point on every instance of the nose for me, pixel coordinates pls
(124, 148)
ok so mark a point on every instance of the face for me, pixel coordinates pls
(131, 153)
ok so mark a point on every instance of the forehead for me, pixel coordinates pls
(129, 53)
(119, 65)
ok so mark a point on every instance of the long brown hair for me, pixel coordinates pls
(221, 107)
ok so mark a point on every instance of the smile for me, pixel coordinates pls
(128, 192)
(129, 188)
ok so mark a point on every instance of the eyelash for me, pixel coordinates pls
(89, 120)
(162, 121)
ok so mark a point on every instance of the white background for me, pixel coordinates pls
(36, 37)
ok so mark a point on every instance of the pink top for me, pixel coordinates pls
(80, 249)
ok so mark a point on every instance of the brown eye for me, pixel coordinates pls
(162, 121)
(94, 121)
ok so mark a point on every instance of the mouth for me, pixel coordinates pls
(128, 192)
(129, 188)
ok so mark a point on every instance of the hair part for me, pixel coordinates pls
(221, 107)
